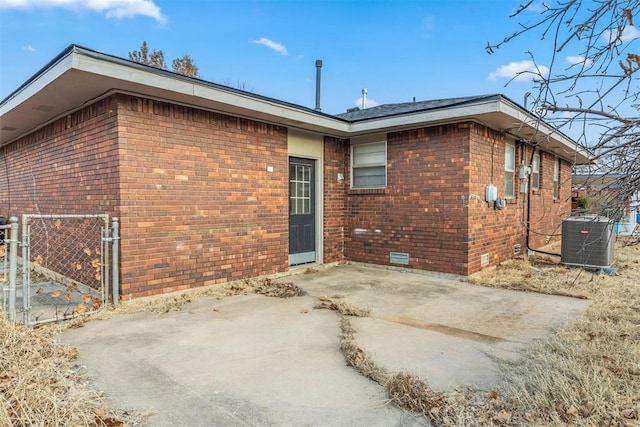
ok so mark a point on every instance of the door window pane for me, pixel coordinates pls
(299, 189)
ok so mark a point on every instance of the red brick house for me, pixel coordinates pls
(213, 184)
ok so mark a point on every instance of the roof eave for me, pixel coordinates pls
(83, 75)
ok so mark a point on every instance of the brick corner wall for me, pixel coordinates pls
(198, 204)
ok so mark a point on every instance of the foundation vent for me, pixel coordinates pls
(484, 259)
(516, 249)
(399, 258)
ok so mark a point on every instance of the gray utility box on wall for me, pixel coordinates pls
(587, 241)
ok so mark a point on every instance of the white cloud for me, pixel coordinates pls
(575, 60)
(523, 70)
(629, 33)
(370, 103)
(117, 9)
(272, 45)
(29, 48)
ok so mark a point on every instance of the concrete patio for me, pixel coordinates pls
(253, 360)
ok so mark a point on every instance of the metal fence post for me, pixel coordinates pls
(115, 260)
(25, 270)
(13, 266)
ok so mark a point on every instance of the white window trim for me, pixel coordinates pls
(535, 170)
(556, 178)
(384, 164)
(512, 171)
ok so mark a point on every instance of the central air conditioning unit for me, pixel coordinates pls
(587, 241)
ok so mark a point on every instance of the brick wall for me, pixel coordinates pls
(198, 205)
(335, 162)
(495, 232)
(433, 206)
(546, 213)
(69, 166)
(421, 211)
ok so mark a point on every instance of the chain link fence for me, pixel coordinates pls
(9, 265)
(65, 266)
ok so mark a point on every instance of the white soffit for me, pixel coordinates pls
(37, 84)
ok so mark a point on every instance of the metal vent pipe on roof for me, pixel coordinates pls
(364, 98)
(318, 72)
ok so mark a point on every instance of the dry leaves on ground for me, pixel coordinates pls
(40, 384)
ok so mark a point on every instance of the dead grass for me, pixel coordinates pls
(40, 384)
(175, 301)
(358, 358)
(342, 307)
(588, 373)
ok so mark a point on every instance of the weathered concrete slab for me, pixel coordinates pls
(253, 360)
(446, 331)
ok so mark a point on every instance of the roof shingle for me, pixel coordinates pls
(387, 110)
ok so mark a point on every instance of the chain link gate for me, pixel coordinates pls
(9, 265)
(65, 268)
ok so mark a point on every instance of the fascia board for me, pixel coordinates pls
(213, 98)
(568, 149)
(423, 118)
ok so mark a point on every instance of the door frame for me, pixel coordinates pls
(318, 211)
(310, 145)
(309, 255)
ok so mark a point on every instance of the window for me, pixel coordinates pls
(299, 189)
(556, 177)
(535, 172)
(369, 165)
(509, 171)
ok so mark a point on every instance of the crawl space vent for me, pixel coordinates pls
(587, 241)
(399, 258)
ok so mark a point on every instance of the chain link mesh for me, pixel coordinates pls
(65, 270)
(4, 265)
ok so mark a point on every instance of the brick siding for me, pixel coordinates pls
(335, 162)
(69, 166)
(433, 205)
(420, 212)
(198, 204)
(495, 232)
(546, 213)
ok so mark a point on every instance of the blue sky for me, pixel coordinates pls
(397, 49)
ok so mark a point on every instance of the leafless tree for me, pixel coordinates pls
(588, 86)
(185, 65)
(142, 56)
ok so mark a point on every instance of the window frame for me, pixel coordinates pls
(535, 172)
(355, 165)
(556, 178)
(512, 171)
(300, 190)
